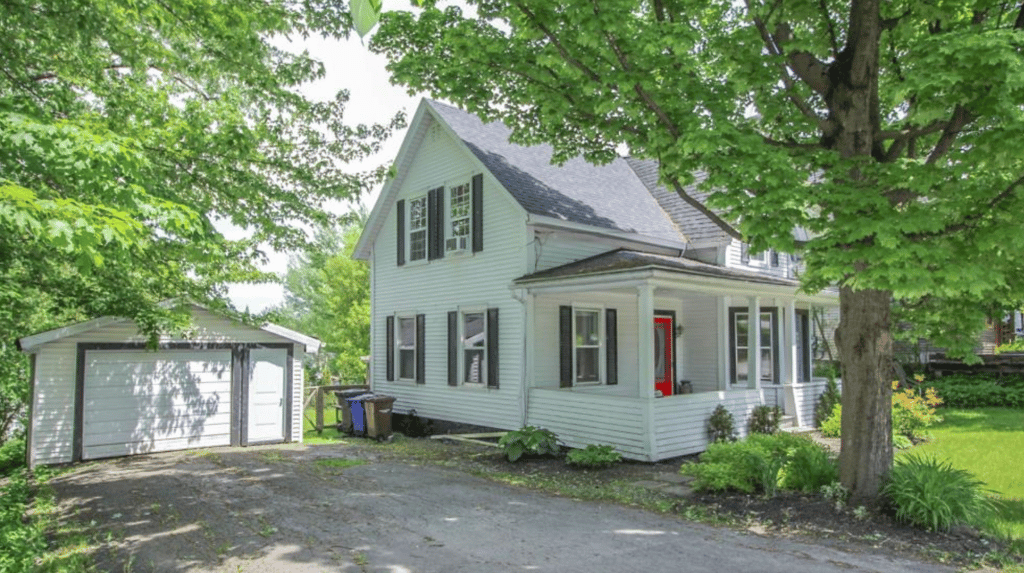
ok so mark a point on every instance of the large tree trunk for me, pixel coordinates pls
(863, 338)
(865, 348)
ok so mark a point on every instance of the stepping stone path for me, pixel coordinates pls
(668, 482)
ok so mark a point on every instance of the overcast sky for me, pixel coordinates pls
(349, 65)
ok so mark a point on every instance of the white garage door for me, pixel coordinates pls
(137, 401)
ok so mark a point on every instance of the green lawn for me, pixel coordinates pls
(989, 443)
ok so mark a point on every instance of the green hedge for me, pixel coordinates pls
(962, 391)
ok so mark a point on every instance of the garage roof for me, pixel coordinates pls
(32, 342)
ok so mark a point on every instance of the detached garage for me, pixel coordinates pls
(98, 392)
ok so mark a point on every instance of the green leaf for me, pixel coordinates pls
(365, 15)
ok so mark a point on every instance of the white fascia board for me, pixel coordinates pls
(312, 344)
(673, 280)
(31, 343)
(543, 221)
(420, 122)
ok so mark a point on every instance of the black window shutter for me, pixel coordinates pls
(565, 346)
(453, 348)
(611, 354)
(420, 358)
(400, 240)
(775, 258)
(478, 213)
(492, 348)
(435, 223)
(389, 345)
(744, 253)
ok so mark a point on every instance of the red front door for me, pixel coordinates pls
(663, 355)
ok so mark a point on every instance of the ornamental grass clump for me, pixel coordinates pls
(931, 494)
(593, 457)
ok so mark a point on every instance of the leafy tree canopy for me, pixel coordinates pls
(327, 295)
(889, 132)
(128, 128)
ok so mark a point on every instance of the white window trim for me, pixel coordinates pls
(462, 347)
(761, 260)
(602, 377)
(398, 346)
(409, 230)
(736, 347)
(449, 219)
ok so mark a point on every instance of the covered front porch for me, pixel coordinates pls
(638, 356)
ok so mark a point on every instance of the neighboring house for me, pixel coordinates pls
(507, 291)
(98, 392)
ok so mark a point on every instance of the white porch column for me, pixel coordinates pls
(754, 343)
(645, 339)
(791, 361)
(724, 345)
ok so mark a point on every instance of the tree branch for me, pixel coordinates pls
(831, 26)
(961, 117)
(711, 215)
(645, 97)
(591, 75)
(902, 137)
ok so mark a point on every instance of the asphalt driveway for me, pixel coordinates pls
(287, 509)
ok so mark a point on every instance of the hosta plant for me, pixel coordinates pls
(528, 440)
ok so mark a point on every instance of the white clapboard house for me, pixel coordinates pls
(98, 390)
(588, 300)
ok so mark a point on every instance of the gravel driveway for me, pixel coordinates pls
(297, 508)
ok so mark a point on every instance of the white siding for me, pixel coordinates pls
(681, 422)
(733, 259)
(468, 280)
(546, 348)
(582, 418)
(53, 406)
(807, 398)
(551, 250)
(700, 342)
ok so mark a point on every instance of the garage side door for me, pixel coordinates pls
(137, 401)
(268, 385)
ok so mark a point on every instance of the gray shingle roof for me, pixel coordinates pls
(607, 196)
(692, 222)
(624, 260)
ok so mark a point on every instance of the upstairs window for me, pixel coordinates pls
(460, 211)
(418, 228)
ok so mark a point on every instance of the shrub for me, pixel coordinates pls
(912, 412)
(832, 426)
(594, 457)
(722, 425)
(765, 420)
(826, 402)
(725, 466)
(809, 468)
(528, 440)
(23, 540)
(963, 391)
(12, 455)
(932, 494)
(761, 463)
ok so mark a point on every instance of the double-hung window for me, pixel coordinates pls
(406, 343)
(587, 342)
(418, 228)
(460, 211)
(474, 347)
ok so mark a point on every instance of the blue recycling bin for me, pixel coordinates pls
(355, 404)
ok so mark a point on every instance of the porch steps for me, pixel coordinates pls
(788, 423)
